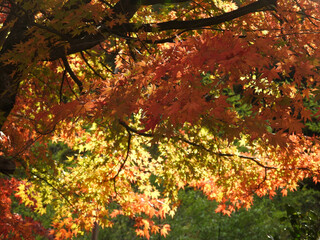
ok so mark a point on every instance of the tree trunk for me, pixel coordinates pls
(9, 74)
(8, 91)
(95, 231)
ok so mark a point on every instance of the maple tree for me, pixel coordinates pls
(152, 96)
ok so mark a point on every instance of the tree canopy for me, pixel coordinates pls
(151, 96)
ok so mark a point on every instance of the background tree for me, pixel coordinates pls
(154, 96)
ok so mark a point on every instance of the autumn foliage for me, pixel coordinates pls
(152, 97)
(13, 225)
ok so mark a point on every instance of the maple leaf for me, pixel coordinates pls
(165, 230)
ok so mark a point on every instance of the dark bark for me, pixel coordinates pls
(95, 231)
(8, 90)
(127, 8)
(7, 165)
(9, 74)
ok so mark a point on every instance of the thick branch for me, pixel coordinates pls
(199, 23)
(127, 8)
(78, 45)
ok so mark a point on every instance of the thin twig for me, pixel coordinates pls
(23, 164)
(306, 15)
(71, 89)
(130, 129)
(254, 159)
(93, 70)
(53, 187)
(61, 86)
(124, 161)
(127, 155)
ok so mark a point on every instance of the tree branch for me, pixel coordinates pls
(197, 145)
(71, 73)
(92, 69)
(127, 156)
(89, 41)
(126, 7)
(199, 23)
(130, 129)
(123, 163)
(53, 187)
(61, 85)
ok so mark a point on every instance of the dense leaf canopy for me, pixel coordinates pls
(151, 96)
